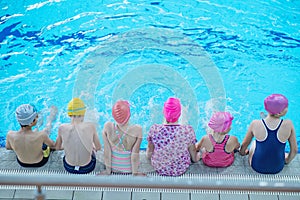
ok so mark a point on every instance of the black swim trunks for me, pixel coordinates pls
(81, 169)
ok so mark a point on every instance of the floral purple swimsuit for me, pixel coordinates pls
(171, 156)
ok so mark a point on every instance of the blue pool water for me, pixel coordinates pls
(212, 54)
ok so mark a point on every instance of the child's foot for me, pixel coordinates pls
(53, 113)
(50, 118)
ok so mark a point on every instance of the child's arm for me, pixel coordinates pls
(7, 145)
(107, 153)
(232, 145)
(135, 153)
(293, 146)
(58, 143)
(96, 141)
(149, 150)
(48, 141)
(247, 140)
(50, 118)
(150, 147)
(199, 145)
(194, 154)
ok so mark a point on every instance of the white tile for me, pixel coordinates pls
(23, 193)
(233, 196)
(116, 195)
(7, 193)
(262, 197)
(145, 196)
(87, 195)
(59, 194)
(204, 196)
(289, 197)
(175, 196)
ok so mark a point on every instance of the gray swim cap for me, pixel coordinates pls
(25, 114)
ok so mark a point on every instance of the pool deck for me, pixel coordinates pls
(240, 167)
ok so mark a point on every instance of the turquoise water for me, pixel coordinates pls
(212, 54)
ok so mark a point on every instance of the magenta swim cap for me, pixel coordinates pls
(121, 111)
(172, 109)
(220, 122)
(275, 103)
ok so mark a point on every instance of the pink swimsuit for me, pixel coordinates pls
(218, 157)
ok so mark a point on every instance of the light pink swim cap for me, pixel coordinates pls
(275, 103)
(172, 109)
(121, 111)
(220, 122)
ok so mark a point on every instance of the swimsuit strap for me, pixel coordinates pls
(276, 129)
(214, 142)
(226, 138)
(121, 138)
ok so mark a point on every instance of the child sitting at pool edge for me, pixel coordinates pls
(31, 147)
(267, 153)
(79, 140)
(171, 146)
(122, 142)
(218, 147)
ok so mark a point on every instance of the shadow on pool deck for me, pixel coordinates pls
(55, 164)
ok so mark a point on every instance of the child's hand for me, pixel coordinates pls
(286, 158)
(245, 153)
(197, 147)
(53, 113)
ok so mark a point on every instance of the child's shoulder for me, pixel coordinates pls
(256, 122)
(135, 126)
(66, 125)
(232, 137)
(108, 125)
(187, 127)
(205, 137)
(136, 130)
(89, 124)
(12, 132)
(287, 121)
(157, 125)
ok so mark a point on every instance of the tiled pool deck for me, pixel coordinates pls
(240, 167)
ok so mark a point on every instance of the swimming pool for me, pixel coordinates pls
(212, 54)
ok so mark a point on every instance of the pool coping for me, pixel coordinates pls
(239, 167)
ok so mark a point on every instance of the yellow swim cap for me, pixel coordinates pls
(76, 107)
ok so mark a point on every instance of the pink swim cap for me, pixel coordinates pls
(121, 111)
(172, 109)
(220, 122)
(275, 103)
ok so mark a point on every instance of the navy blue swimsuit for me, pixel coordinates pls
(269, 156)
